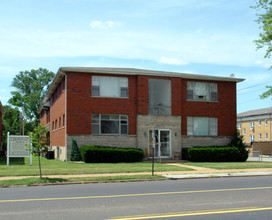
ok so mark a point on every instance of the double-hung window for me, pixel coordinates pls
(109, 124)
(201, 91)
(202, 126)
(252, 138)
(107, 86)
(251, 125)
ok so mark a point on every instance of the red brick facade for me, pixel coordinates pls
(74, 104)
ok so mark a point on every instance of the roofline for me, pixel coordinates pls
(128, 71)
(133, 71)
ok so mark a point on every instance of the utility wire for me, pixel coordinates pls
(251, 91)
(254, 86)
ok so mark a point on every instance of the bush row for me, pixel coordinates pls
(105, 154)
(214, 154)
(184, 151)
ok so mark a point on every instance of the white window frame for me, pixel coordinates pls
(251, 125)
(260, 136)
(266, 136)
(212, 129)
(266, 122)
(260, 122)
(252, 138)
(97, 85)
(244, 131)
(202, 91)
(238, 126)
(120, 120)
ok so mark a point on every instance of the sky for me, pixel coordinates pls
(211, 37)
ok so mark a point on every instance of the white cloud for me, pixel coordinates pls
(263, 63)
(105, 24)
(174, 61)
(3, 90)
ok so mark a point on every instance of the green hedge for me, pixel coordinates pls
(214, 154)
(104, 154)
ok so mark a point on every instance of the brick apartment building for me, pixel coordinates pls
(255, 125)
(121, 106)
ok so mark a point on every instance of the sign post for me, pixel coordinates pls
(17, 147)
(153, 149)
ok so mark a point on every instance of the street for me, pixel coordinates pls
(211, 198)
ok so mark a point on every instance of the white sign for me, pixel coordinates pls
(17, 147)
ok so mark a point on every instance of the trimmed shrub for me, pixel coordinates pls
(75, 152)
(184, 153)
(103, 154)
(214, 154)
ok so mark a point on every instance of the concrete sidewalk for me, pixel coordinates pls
(197, 172)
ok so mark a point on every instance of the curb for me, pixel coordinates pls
(218, 175)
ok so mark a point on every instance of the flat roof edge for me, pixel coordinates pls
(133, 71)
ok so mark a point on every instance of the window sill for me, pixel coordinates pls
(202, 135)
(110, 135)
(191, 100)
(109, 97)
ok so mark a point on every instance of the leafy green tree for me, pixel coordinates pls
(31, 87)
(11, 123)
(39, 143)
(264, 13)
(75, 152)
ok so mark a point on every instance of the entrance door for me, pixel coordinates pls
(163, 143)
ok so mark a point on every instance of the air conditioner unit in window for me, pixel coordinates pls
(200, 97)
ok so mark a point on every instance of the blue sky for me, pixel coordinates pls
(211, 37)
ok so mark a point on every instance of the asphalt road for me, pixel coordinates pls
(211, 198)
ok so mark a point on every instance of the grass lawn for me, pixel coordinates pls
(232, 165)
(57, 167)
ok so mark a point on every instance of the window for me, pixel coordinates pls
(244, 131)
(56, 124)
(251, 125)
(252, 137)
(53, 126)
(159, 97)
(238, 126)
(266, 136)
(59, 122)
(109, 124)
(265, 122)
(202, 126)
(260, 136)
(63, 118)
(260, 122)
(106, 86)
(201, 91)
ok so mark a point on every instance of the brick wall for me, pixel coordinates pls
(57, 109)
(81, 104)
(265, 147)
(224, 109)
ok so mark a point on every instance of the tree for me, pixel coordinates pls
(39, 143)
(75, 152)
(11, 123)
(237, 140)
(264, 13)
(31, 87)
